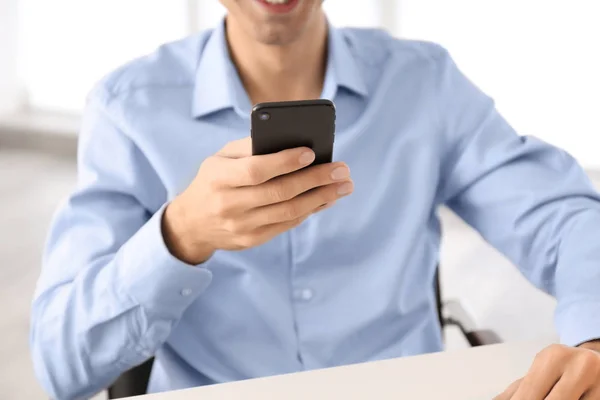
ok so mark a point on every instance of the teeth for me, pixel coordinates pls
(277, 1)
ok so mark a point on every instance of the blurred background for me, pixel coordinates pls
(538, 58)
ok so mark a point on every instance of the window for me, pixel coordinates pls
(339, 12)
(208, 13)
(538, 59)
(68, 45)
(353, 12)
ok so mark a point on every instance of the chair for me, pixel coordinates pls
(451, 313)
(133, 382)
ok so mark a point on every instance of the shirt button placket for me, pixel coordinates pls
(303, 295)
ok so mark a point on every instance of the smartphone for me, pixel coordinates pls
(278, 126)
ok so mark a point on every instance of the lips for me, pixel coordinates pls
(278, 6)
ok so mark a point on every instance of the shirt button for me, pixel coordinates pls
(187, 292)
(304, 294)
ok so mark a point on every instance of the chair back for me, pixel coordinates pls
(133, 382)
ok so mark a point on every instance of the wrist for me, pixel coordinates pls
(179, 237)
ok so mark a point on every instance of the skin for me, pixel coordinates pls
(238, 201)
(278, 57)
(560, 373)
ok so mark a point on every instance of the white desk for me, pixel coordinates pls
(474, 374)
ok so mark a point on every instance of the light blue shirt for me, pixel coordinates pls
(351, 284)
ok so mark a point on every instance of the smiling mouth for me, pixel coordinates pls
(278, 6)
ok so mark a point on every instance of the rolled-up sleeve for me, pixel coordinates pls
(529, 199)
(109, 291)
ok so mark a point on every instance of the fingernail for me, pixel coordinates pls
(345, 189)
(340, 173)
(307, 158)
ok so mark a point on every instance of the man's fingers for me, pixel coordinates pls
(237, 149)
(255, 170)
(287, 187)
(569, 387)
(581, 375)
(510, 391)
(535, 387)
(260, 169)
(592, 394)
(545, 372)
(270, 231)
(298, 207)
(324, 207)
(267, 232)
(558, 373)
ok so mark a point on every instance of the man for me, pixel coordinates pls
(178, 243)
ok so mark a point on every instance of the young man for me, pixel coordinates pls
(178, 243)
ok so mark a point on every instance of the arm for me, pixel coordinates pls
(110, 291)
(530, 200)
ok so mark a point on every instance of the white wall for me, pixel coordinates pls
(9, 84)
(339, 12)
(70, 44)
(208, 12)
(538, 58)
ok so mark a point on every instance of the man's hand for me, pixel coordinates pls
(560, 373)
(238, 201)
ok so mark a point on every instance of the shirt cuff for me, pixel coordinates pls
(578, 322)
(154, 278)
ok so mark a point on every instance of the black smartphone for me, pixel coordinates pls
(278, 126)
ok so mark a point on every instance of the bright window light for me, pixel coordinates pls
(357, 13)
(539, 59)
(68, 45)
(209, 13)
(339, 12)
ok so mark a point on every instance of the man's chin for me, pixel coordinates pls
(278, 36)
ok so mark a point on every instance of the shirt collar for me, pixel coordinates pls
(218, 85)
(342, 67)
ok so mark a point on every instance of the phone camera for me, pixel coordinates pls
(265, 116)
